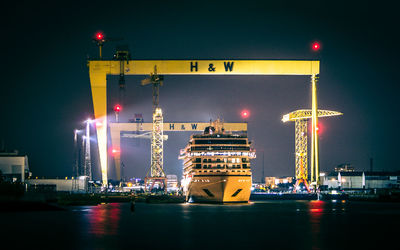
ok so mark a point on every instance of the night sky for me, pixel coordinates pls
(45, 89)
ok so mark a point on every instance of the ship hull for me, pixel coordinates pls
(219, 189)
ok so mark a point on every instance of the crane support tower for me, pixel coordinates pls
(122, 54)
(157, 174)
(157, 142)
(300, 117)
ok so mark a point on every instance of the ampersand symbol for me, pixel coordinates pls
(211, 67)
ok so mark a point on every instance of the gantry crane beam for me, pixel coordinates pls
(118, 130)
(300, 117)
(302, 114)
(99, 69)
(142, 136)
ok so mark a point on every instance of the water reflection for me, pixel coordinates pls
(104, 219)
(316, 209)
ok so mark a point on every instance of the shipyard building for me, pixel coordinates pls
(14, 166)
(360, 180)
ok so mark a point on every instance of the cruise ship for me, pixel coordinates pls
(216, 166)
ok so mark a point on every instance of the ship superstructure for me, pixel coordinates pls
(216, 166)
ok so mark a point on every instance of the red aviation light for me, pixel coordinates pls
(318, 128)
(99, 36)
(115, 151)
(245, 114)
(117, 108)
(316, 46)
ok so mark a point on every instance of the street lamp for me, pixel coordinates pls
(263, 168)
(88, 164)
(75, 169)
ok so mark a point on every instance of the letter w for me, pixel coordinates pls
(228, 66)
(194, 126)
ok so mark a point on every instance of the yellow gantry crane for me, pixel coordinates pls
(99, 69)
(300, 117)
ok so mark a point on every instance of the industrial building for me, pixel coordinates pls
(360, 180)
(79, 184)
(272, 182)
(172, 181)
(345, 167)
(14, 167)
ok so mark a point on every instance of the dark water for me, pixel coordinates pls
(259, 225)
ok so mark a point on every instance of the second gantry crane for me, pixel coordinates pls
(300, 117)
(157, 174)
